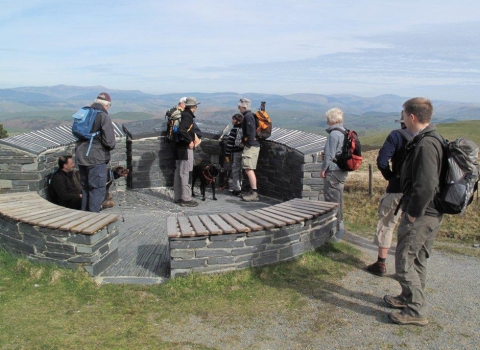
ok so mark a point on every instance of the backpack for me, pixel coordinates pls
(173, 116)
(461, 179)
(52, 197)
(350, 157)
(263, 123)
(83, 124)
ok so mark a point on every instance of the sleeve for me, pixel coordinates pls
(186, 123)
(250, 127)
(108, 135)
(384, 155)
(425, 172)
(329, 151)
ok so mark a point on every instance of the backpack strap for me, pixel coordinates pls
(406, 135)
(345, 132)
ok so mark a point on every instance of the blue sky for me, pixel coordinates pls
(410, 48)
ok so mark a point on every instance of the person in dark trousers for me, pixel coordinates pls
(187, 130)
(420, 180)
(233, 152)
(93, 168)
(251, 149)
(393, 151)
(64, 187)
(334, 177)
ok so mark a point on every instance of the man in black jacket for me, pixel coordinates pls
(420, 179)
(63, 186)
(93, 167)
(184, 154)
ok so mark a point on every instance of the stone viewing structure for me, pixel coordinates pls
(288, 169)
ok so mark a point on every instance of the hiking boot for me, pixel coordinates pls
(190, 203)
(108, 204)
(397, 302)
(178, 201)
(405, 319)
(377, 268)
(109, 197)
(253, 197)
(236, 193)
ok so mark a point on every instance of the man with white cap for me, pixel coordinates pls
(93, 167)
(251, 149)
(393, 151)
(184, 155)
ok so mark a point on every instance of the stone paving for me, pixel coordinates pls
(143, 243)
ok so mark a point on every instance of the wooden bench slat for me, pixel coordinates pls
(197, 225)
(289, 210)
(314, 204)
(78, 221)
(96, 224)
(236, 224)
(172, 229)
(265, 224)
(268, 218)
(210, 225)
(318, 209)
(287, 214)
(309, 211)
(20, 216)
(37, 218)
(185, 228)
(224, 226)
(15, 197)
(243, 220)
(21, 207)
(64, 218)
(288, 220)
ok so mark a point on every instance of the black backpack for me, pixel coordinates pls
(461, 175)
(52, 197)
(350, 158)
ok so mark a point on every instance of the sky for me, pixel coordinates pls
(410, 48)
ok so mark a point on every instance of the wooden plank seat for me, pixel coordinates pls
(31, 208)
(279, 215)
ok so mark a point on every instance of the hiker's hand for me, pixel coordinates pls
(190, 145)
(323, 174)
(411, 218)
(227, 159)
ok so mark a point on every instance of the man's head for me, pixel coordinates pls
(181, 103)
(244, 104)
(417, 113)
(237, 119)
(191, 103)
(66, 163)
(104, 99)
(334, 116)
(401, 121)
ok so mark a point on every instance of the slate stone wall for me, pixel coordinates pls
(21, 171)
(64, 248)
(219, 253)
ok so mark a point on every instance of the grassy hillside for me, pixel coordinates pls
(451, 131)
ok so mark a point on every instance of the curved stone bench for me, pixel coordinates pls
(32, 226)
(230, 241)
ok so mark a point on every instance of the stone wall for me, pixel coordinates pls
(21, 171)
(64, 248)
(237, 251)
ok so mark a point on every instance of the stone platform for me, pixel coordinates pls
(143, 241)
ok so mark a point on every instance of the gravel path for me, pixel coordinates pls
(358, 317)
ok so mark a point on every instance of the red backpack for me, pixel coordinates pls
(350, 158)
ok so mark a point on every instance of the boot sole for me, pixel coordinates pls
(394, 306)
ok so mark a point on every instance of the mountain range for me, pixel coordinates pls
(30, 108)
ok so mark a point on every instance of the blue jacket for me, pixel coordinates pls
(393, 149)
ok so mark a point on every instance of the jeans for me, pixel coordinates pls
(94, 190)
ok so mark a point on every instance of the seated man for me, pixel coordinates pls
(64, 189)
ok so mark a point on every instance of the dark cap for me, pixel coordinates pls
(104, 96)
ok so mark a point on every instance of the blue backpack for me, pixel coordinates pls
(83, 123)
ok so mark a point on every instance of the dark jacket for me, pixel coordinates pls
(230, 147)
(67, 193)
(186, 134)
(393, 149)
(102, 143)
(249, 129)
(421, 173)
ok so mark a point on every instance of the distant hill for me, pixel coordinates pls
(24, 108)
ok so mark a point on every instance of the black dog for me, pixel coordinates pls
(208, 175)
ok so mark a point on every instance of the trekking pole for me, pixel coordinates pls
(370, 179)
